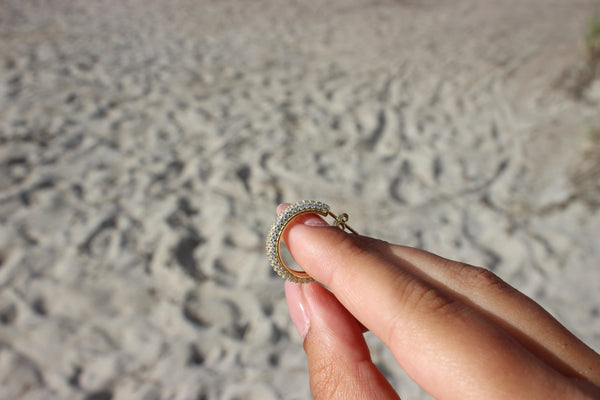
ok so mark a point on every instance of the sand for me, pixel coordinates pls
(144, 146)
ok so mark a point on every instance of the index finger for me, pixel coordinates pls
(419, 322)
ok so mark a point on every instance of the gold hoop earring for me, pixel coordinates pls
(283, 220)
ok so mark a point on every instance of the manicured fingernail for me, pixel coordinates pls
(297, 307)
(315, 220)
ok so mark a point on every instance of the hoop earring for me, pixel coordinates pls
(283, 220)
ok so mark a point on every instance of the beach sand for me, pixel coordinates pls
(144, 146)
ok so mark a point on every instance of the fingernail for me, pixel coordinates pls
(315, 220)
(297, 307)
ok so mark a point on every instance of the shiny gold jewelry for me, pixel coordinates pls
(276, 232)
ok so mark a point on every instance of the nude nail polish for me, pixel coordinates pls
(297, 307)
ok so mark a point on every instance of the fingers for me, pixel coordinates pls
(448, 347)
(339, 362)
(314, 220)
(524, 319)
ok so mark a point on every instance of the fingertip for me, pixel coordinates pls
(297, 308)
(313, 246)
(331, 322)
(339, 361)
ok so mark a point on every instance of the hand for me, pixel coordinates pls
(459, 331)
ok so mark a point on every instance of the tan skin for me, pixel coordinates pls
(459, 331)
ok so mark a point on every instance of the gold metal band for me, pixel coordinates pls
(283, 220)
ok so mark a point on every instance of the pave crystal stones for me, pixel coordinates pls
(276, 232)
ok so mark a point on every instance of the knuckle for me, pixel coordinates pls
(482, 279)
(418, 296)
(416, 299)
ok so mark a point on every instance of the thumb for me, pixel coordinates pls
(339, 363)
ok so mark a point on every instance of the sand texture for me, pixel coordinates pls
(144, 146)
